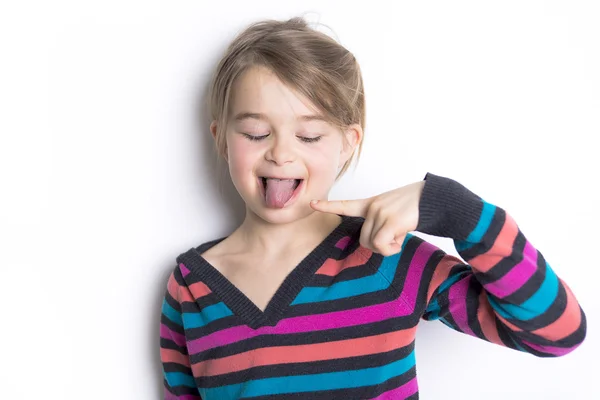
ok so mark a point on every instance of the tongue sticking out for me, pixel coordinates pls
(278, 192)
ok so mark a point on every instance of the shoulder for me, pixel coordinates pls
(197, 250)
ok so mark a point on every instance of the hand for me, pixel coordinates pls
(388, 216)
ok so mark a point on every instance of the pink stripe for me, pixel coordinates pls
(402, 392)
(557, 351)
(184, 270)
(343, 242)
(517, 276)
(458, 305)
(415, 272)
(170, 396)
(167, 333)
(338, 319)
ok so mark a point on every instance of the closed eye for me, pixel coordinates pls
(304, 139)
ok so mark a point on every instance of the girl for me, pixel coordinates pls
(321, 300)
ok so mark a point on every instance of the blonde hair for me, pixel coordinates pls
(306, 60)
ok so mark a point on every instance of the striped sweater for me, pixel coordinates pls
(342, 324)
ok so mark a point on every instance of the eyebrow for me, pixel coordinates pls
(262, 117)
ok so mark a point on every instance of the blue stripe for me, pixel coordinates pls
(206, 316)
(485, 219)
(476, 236)
(314, 382)
(433, 309)
(171, 313)
(355, 287)
(452, 279)
(462, 245)
(179, 379)
(536, 305)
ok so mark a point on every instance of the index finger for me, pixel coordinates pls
(352, 208)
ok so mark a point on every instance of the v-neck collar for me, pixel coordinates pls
(294, 282)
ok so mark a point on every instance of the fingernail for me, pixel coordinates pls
(314, 201)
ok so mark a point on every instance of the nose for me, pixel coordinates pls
(281, 150)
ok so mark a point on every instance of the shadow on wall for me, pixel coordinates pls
(215, 183)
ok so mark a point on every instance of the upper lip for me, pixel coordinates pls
(280, 177)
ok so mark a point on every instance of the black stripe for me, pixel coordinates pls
(576, 337)
(407, 255)
(361, 392)
(505, 335)
(200, 303)
(473, 305)
(553, 312)
(172, 302)
(430, 267)
(532, 351)
(506, 264)
(351, 332)
(367, 299)
(347, 274)
(180, 390)
(176, 367)
(531, 286)
(489, 238)
(171, 345)
(217, 325)
(444, 312)
(171, 325)
(343, 304)
(179, 277)
(306, 368)
(571, 340)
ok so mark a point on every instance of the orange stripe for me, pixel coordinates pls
(304, 353)
(502, 247)
(169, 355)
(173, 287)
(567, 323)
(193, 292)
(442, 269)
(485, 315)
(333, 267)
(509, 325)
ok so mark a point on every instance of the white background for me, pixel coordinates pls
(107, 172)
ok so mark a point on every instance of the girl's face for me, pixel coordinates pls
(274, 132)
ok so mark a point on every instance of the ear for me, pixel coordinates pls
(352, 137)
(213, 131)
(213, 128)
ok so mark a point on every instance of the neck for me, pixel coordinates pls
(255, 235)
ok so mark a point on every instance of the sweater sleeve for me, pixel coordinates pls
(178, 380)
(506, 293)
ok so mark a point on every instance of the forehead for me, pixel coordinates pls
(258, 93)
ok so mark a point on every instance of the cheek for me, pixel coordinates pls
(323, 165)
(326, 156)
(240, 153)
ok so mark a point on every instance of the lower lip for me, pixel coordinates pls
(291, 200)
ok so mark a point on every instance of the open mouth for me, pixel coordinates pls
(282, 193)
(263, 180)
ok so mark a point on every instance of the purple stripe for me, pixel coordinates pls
(338, 319)
(184, 270)
(170, 396)
(458, 306)
(167, 333)
(557, 351)
(343, 242)
(402, 392)
(415, 272)
(517, 276)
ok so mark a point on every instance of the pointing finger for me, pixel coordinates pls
(353, 208)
